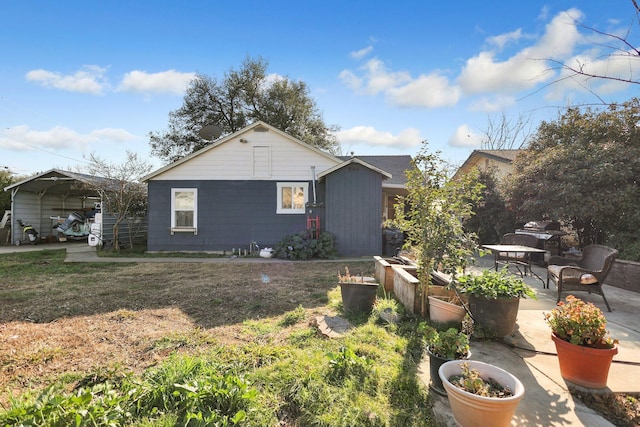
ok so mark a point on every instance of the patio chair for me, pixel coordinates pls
(583, 274)
(516, 258)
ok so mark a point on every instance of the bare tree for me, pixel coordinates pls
(122, 193)
(503, 133)
(616, 47)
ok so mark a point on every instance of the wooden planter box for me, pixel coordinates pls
(384, 272)
(406, 287)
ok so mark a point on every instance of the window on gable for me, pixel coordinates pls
(292, 197)
(184, 210)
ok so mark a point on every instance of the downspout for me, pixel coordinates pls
(313, 177)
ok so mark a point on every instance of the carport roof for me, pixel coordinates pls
(56, 181)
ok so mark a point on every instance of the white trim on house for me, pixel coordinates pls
(189, 228)
(280, 209)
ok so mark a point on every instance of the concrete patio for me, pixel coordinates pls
(529, 354)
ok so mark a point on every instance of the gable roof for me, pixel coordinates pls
(254, 126)
(57, 181)
(501, 156)
(352, 160)
(396, 166)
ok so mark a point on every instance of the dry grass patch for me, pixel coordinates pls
(65, 321)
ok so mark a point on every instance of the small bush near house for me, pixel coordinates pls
(302, 246)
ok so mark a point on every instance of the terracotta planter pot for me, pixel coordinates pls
(443, 311)
(471, 410)
(584, 366)
(358, 296)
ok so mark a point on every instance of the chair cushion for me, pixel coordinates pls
(572, 276)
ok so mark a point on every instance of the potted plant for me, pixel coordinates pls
(442, 347)
(387, 309)
(494, 299)
(358, 292)
(480, 394)
(432, 215)
(585, 349)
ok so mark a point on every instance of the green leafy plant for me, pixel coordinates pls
(292, 317)
(580, 323)
(495, 284)
(387, 309)
(302, 246)
(472, 382)
(449, 344)
(432, 216)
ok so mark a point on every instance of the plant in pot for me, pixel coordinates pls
(358, 292)
(387, 309)
(443, 346)
(585, 349)
(431, 215)
(494, 299)
(480, 394)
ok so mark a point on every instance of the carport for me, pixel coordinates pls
(45, 199)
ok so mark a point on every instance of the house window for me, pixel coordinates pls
(292, 197)
(184, 210)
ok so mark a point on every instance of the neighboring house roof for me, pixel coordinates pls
(234, 136)
(56, 181)
(496, 157)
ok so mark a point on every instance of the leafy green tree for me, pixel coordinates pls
(5, 197)
(584, 169)
(242, 97)
(432, 215)
(492, 218)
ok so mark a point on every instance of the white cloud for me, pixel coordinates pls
(350, 80)
(90, 79)
(428, 91)
(528, 67)
(170, 81)
(491, 104)
(359, 54)
(22, 138)
(501, 40)
(465, 137)
(368, 135)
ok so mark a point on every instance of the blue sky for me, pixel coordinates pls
(83, 77)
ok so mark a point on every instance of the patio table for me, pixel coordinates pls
(515, 250)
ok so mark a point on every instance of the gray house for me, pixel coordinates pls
(260, 185)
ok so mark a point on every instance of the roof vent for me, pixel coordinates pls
(261, 128)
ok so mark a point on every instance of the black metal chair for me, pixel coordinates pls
(585, 274)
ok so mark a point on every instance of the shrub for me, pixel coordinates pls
(302, 246)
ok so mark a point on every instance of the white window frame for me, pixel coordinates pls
(174, 227)
(305, 188)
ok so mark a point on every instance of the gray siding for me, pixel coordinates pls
(231, 214)
(38, 210)
(354, 210)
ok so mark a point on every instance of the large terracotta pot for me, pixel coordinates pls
(471, 410)
(495, 317)
(443, 311)
(584, 366)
